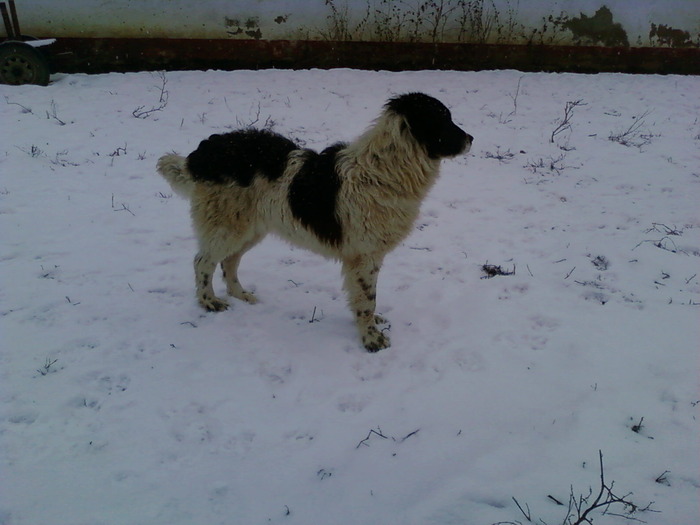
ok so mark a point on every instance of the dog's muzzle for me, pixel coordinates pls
(467, 143)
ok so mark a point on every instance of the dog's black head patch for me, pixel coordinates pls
(430, 123)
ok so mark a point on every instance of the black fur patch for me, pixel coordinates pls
(239, 156)
(430, 122)
(313, 194)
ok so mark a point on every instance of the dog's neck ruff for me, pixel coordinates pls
(388, 147)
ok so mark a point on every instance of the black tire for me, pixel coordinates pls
(21, 63)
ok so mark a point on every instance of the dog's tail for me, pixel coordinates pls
(173, 168)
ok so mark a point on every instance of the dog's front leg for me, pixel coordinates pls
(360, 275)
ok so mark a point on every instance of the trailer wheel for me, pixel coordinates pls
(21, 63)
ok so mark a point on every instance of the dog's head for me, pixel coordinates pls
(430, 123)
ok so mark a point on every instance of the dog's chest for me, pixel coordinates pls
(378, 225)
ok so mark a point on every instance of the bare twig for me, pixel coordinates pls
(527, 514)
(580, 508)
(514, 98)
(124, 207)
(377, 432)
(663, 244)
(315, 319)
(664, 241)
(163, 93)
(565, 123)
(662, 228)
(633, 135)
(119, 151)
(663, 478)
(60, 160)
(141, 112)
(410, 434)
(550, 164)
(638, 427)
(555, 500)
(44, 370)
(500, 156)
(603, 500)
(52, 114)
(25, 109)
(33, 151)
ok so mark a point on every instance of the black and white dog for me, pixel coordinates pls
(352, 202)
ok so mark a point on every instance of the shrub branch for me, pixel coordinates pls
(565, 123)
(581, 508)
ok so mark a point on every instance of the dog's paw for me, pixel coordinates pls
(247, 297)
(213, 304)
(374, 340)
(380, 319)
(235, 290)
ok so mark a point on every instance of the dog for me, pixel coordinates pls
(352, 202)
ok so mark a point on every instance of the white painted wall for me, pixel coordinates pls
(293, 19)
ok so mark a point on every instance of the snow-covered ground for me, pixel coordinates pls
(122, 402)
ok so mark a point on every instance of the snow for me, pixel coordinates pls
(122, 402)
(41, 43)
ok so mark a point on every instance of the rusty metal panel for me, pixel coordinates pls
(135, 54)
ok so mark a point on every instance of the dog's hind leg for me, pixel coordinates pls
(360, 275)
(230, 268)
(204, 266)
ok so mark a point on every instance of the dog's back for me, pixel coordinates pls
(235, 157)
(240, 156)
